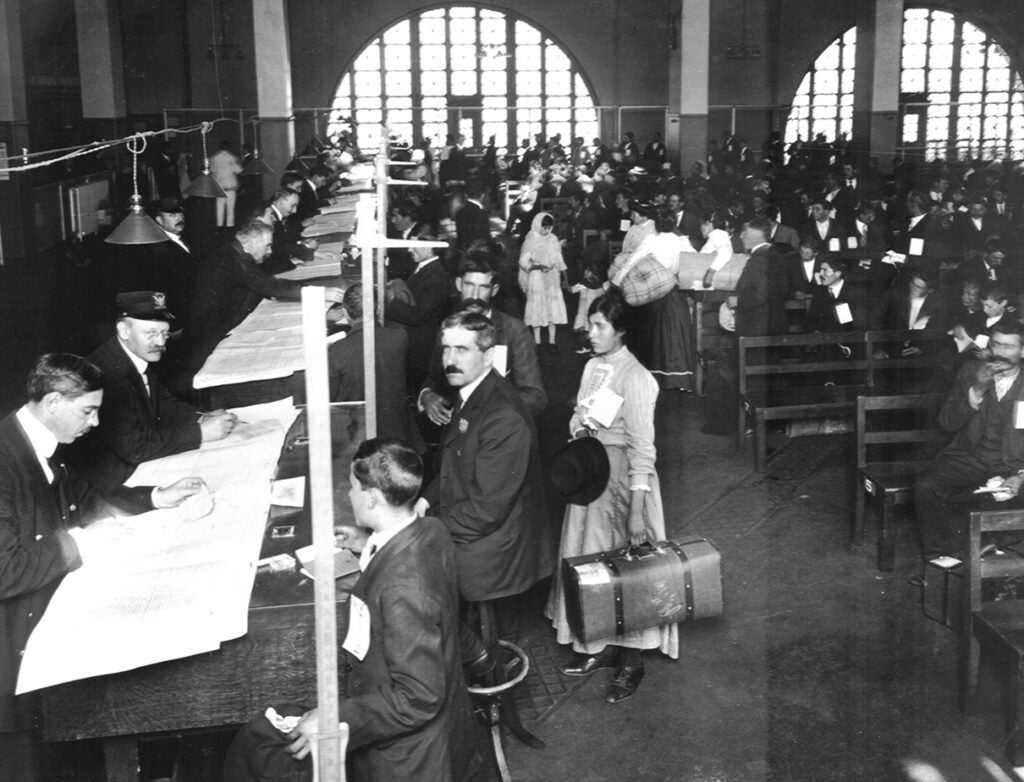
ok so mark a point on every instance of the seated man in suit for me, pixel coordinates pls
(141, 419)
(986, 445)
(42, 504)
(407, 707)
(836, 304)
(489, 493)
(477, 284)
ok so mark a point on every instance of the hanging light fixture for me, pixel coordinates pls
(256, 165)
(204, 185)
(138, 227)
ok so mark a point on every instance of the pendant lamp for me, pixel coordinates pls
(138, 227)
(256, 165)
(204, 185)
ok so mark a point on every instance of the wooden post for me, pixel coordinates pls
(381, 176)
(321, 490)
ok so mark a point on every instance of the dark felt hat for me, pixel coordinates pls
(580, 470)
(167, 205)
(143, 305)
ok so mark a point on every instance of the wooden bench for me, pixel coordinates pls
(790, 390)
(896, 437)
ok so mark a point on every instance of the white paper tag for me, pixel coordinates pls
(624, 225)
(1018, 415)
(944, 562)
(592, 573)
(604, 405)
(357, 639)
(981, 341)
(851, 242)
(869, 486)
(843, 314)
(833, 245)
(916, 246)
(501, 359)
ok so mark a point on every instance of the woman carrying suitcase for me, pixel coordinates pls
(615, 404)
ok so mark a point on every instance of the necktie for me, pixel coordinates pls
(145, 382)
(59, 486)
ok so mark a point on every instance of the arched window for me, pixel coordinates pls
(465, 70)
(959, 93)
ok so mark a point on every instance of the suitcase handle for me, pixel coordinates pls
(643, 551)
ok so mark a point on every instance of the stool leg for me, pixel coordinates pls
(506, 700)
(886, 535)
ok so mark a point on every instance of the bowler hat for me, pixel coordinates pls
(167, 205)
(580, 470)
(143, 305)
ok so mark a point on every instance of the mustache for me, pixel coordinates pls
(452, 370)
(478, 305)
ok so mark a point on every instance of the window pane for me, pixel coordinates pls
(910, 128)
(492, 31)
(368, 83)
(557, 83)
(829, 58)
(938, 128)
(826, 81)
(433, 30)
(464, 83)
(398, 34)
(528, 57)
(914, 56)
(462, 30)
(461, 11)
(463, 57)
(913, 80)
(940, 56)
(398, 83)
(397, 57)
(943, 28)
(528, 82)
(526, 33)
(555, 59)
(940, 80)
(434, 83)
(433, 57)
(368, 102)
(971, 80)
(998, 79)
(492, 83)
(369, 59)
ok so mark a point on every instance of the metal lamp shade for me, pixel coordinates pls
(205, 186)
(255, 166)
(137, 228)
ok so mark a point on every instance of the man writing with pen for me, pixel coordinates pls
(141, 419)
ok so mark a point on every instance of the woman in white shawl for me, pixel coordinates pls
(541, 272)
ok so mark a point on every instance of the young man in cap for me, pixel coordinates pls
(141, 420)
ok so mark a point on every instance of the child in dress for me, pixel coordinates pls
(541, 276)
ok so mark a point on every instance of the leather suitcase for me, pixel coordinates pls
(616, 592)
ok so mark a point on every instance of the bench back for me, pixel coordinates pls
(865, 366)
(888, 427)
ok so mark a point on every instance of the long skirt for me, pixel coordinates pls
(664, 341)
(603, 525)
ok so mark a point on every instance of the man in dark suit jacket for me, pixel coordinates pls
(406, 704)
(477, 284)
(40, 502)
(310, 193)
(759, 296)
(992, 266)
(829, 231)
(472, 221)
(229, 286)
(489, 493)
(837, 304)
(979, 413)
(976, 227)
(141, 419)
(347, 378)
(287, 244)
(428, 285)
(168, 266)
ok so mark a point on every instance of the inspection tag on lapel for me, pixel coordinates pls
(843, 314)
(1018, 415)
(624, 225)
(501, 359)
(833, 245)
(604, 405)
(357, 639)
(851, 242)
(916, 246)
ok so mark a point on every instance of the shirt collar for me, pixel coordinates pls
(425, 261)
(140, 364)
(379, 539)
(836, 287)
(176, 239)
(469, 388)
(42, 441)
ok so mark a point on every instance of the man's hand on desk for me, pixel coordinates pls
(437, 408)
(303, 736)
(216, 425)
(172, 496)
(352, 538)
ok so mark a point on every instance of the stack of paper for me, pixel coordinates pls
(159, 586)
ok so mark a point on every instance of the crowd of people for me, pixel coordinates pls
(449, 498)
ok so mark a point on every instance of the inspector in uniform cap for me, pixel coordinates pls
(143, 305)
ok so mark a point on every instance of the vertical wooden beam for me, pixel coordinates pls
(321, 489)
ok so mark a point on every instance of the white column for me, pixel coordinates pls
(694, 67)
(877, 90)
(273, 86)
(100, 65)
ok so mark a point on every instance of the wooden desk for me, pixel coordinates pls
(274, 662)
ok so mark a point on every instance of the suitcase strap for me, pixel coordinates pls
(620, 617)
(687, 576)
